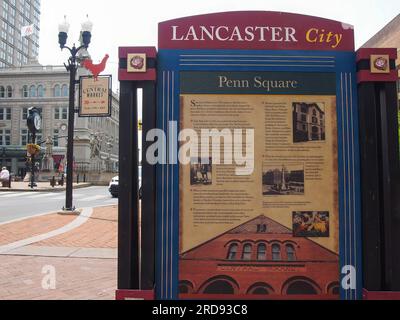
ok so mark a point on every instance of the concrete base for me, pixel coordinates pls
(69, 213)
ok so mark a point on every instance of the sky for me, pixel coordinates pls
(134, 23)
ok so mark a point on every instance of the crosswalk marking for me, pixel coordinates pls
(39, 195)
(10, 195)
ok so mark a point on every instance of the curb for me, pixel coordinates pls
(47, 189)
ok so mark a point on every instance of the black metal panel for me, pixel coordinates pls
(370, 172)
(128, 210)
(380, 174)
(390, 152)
(148, 191)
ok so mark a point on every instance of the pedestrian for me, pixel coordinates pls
(5, 177)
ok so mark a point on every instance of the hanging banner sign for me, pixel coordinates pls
(95, 97)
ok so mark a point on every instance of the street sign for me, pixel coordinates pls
(95, 96)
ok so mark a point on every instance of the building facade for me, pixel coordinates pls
(259, 258)
(16, 50)
(47, 88)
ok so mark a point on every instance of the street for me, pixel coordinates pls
(16, 205)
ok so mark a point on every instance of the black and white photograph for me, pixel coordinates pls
(283, 180)
(308, 122)
(201, 171)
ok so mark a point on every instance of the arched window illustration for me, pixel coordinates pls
(276, 252)
(219, 285)
(290, 252)
(301, 286)
(57, 91)
(260, 289)
(2, 92)
(246, 255)
(262, 252)
(185, 287)
(232, 252)
(334, 288)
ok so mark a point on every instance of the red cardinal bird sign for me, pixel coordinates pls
(95, 96)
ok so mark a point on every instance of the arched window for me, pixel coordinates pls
(2, 92)
(40, 91)
(334, 288)
(25, 92)
(262, 252)
(232, 252)
(301, 287)
(57, 91)
(32, 91)
(185, 287)
(276, 252)
(9, 92)
(290, 252)
(260, 289)
(64, 91)
(219, 285)
(246, 255)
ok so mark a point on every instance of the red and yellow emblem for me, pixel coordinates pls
(136, 62)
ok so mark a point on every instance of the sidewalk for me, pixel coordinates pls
(82, 250)
(41, 187)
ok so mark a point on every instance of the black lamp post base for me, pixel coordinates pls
(69, 212)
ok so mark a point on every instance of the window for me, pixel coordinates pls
(232, 252)
(276, 252)
(24, 137)
(57, 91)
(290, 252)
(5, 113)
(32, 91)
(247, 252)
(25, 92)
(261, 228)
(61, 113)
(55, 137)
(64, 91)
(5, 137)
(2, 92)
(40, 91)
(9, 92)
(24, 113)
(262, 252)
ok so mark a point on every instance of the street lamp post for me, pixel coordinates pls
(72, 68)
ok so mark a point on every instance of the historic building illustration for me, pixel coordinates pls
(260, 258)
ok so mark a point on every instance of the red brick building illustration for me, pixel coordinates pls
(259, 259)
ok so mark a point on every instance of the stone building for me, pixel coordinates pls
(47, 88)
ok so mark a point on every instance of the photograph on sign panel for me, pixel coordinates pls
(308, 122)
(283, 179)
(311, 224)
(201, 171)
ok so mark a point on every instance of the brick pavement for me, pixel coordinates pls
(15, 231)
(76, 278)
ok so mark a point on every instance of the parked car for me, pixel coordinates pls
(114, 185)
